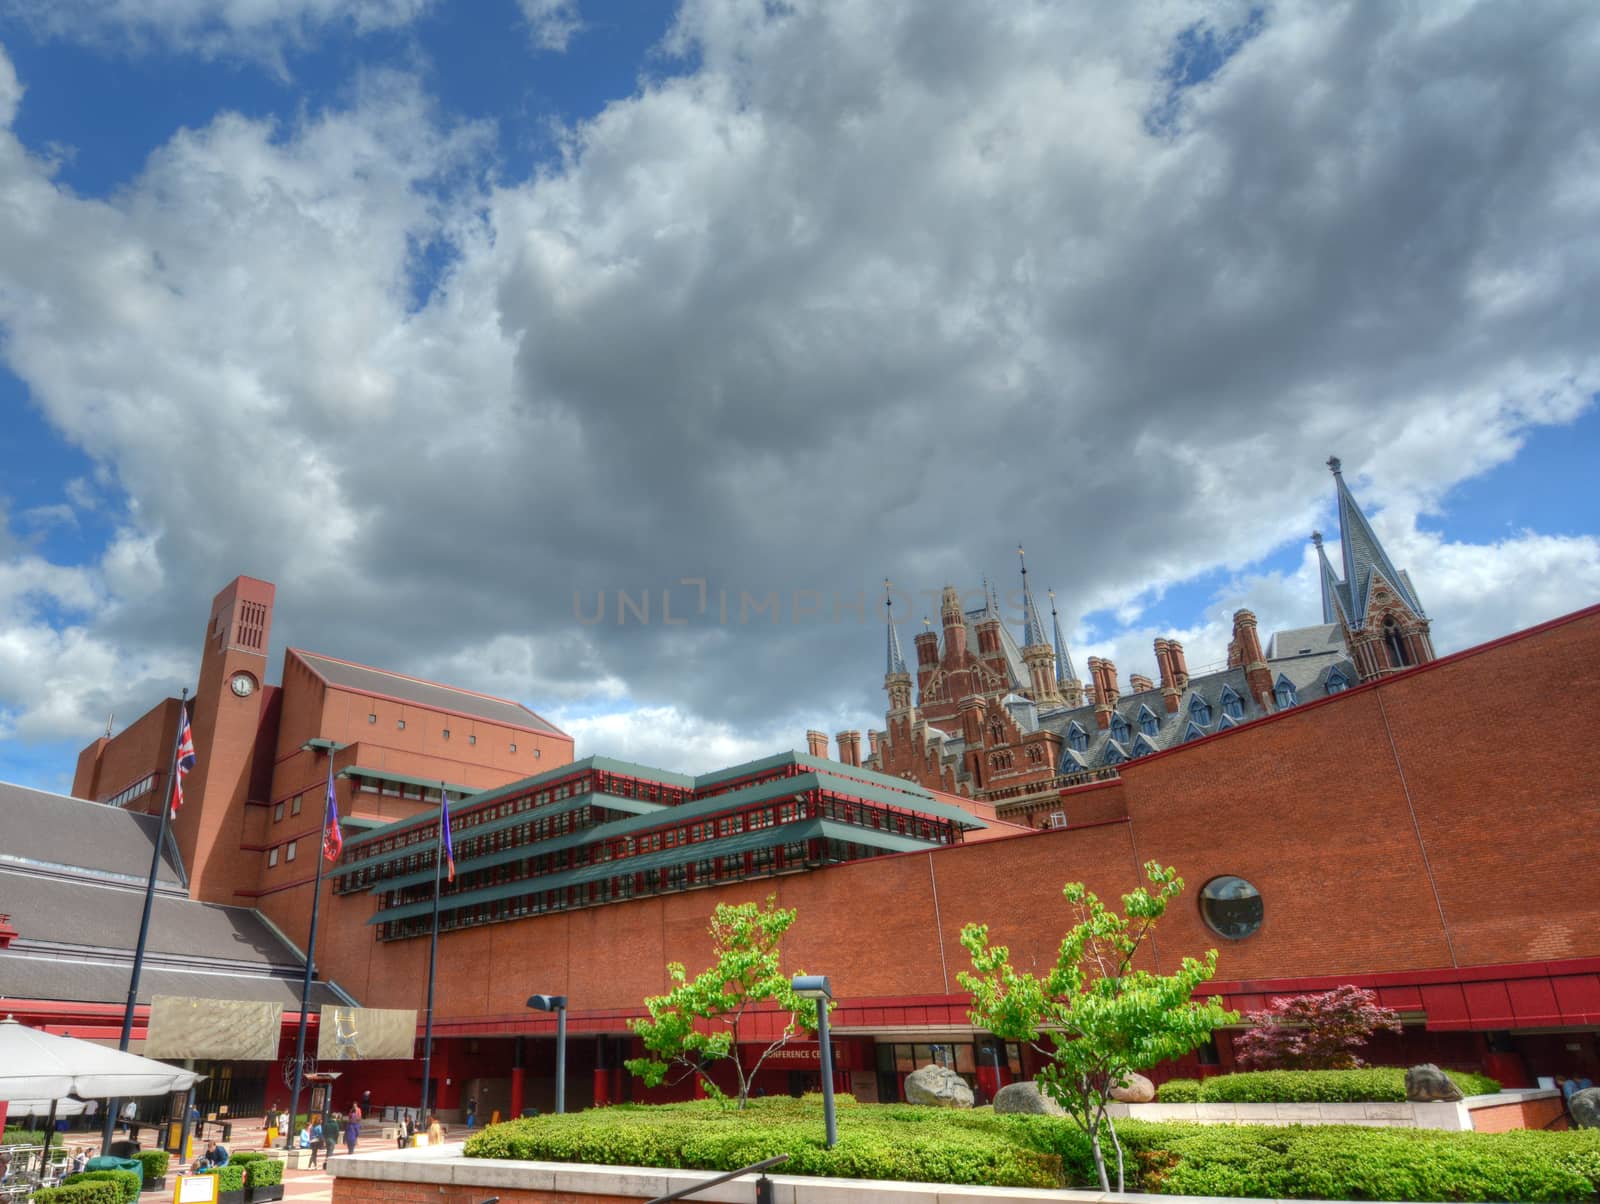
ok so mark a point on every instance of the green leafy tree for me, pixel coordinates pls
(1103, 1018)
(696, 1024)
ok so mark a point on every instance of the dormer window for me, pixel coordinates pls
(1232, 704)
(1192, 732)
(1284, 693)
(1225, 723)
(1113, 754)
(1148, 723)
(1338, 683)
(1143, 746)
(1077, 737)
(1119, 729)
(1200, 711)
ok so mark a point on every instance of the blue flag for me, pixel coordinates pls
(444, 831)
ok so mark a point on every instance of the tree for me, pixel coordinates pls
(696, 1023)
(1104, 1019)
(1314, 1032)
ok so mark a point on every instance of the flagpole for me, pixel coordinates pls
(433, 955)
(311, 951)
(144, 922)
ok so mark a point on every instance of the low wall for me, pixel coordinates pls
(1485, 1113)
(440, 1175)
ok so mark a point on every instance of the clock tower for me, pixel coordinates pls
(227, 714)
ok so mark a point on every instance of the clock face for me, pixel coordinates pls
(243, 684)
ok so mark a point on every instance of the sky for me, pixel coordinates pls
(473, 327)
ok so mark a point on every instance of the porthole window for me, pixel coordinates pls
(1231, 907)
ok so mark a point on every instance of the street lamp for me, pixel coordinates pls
(816, 986)
(558, 1005)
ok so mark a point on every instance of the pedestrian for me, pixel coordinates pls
(130, 1115)
(366, 1104)
(435, 1131)
(315, 1142)
(472, 1111)
(272, 1127)
(91, 1114)
(352, 1129)
(80, 1160)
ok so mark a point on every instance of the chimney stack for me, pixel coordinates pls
(1180, 667)
(1138, 683)
(849, 748)
(1170, 690)
(1104, 675)
(817, 744)
(873, 737)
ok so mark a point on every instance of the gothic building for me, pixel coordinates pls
(1011, 724)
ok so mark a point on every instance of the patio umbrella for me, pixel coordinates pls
(35, 1065)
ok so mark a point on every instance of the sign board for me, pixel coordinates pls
(359, 1034)
(218, 1029)
(798, 1055)
(195, 1189)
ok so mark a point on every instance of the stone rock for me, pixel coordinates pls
(1584, 1106)
(938, 1087)
(1139, 1090)
(1027, 1099)
(1428, 1084)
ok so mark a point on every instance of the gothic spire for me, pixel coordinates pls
(1064, 670)
(1363, 555)
(1032, 629)
(897, 660)
(1332, 587)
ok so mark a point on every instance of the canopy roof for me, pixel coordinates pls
(36, 1065)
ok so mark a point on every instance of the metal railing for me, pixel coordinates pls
(763, 1184)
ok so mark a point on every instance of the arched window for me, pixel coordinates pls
(1284, 693)
(1148, 723)
(1077, 737)
(1232, 704)
(1119, 729)
(1200, 711)
(1034, 755)
(1396, 643)
(997, 732)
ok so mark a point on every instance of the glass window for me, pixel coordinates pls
(445, 733)
(472, 739)
(400, 725)
(1337, 683)
(1284, 693)
(1200, 710)
(289, 851)
(513, 748)
(373, 718)
(294, 807)
(1231, 907)
(1232, 704)
(903, 1060)
(272, 859)
(1148, 723)
(1119, 729)
(277, 813)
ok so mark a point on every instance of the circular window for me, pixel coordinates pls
(1231, 906)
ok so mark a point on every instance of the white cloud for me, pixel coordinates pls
(876, 288)
(553, 23)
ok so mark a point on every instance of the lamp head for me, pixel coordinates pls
(547, 1003)
(812, 986)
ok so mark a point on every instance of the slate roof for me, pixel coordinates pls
(363, 679)
(1322, 639)
(57, 830)
(28, 975)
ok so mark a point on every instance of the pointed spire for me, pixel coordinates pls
(1363, 554)
(1332, 587)
(1064, 670)
(1032, 628)
(897, 660)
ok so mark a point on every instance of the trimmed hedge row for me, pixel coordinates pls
(262, 1169)
(22, 1137)
(155, 1163)
(978, 1147)
(1370, 1084)
(128, 1183)
(94, 1191)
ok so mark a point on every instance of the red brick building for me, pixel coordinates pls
(1425, 827)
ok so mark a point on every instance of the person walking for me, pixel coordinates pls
(472, 1111)
(315, 1135)
(435, 1131)
(130, 1116)
(352, 1129)
(272, 1127)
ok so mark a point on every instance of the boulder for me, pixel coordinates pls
(1026, 1098)
(938, 1087)
(1584, 1106)
(1427, 1084)
(1137, 1090)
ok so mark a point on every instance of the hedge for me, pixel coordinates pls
(129, 1183)
(92, 1191)
(263, 1171)
(940, 1146)
(1370, 1084)
(22, 1137)
(229, 1178)
(887, 1142)
(155, 1163)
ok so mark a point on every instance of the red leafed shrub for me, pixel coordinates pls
(1314, 1032)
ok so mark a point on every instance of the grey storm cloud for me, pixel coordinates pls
(850, 290)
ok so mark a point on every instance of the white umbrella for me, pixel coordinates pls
(35, 1065)
(38, 1107)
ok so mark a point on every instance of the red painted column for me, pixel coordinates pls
(516, 1090)
(602, 1086)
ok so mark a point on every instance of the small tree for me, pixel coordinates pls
(1104, 1019)
(696, 1023)
(1314, 1032)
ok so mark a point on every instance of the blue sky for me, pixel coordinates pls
(539, 296)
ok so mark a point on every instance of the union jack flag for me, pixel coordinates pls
(332, 835)
(185, 763)
(444, 827)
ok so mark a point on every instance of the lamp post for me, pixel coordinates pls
(558, 1005)
(816, 986)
